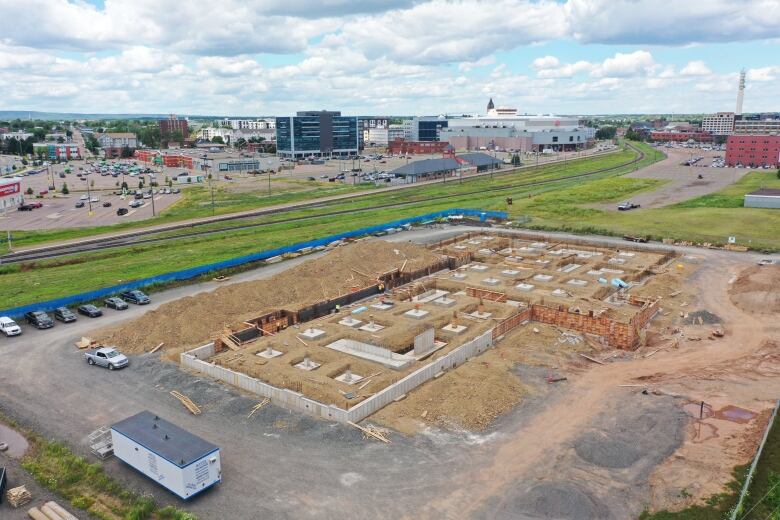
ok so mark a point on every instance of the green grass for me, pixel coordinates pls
(763, 497)
(85, 485)
(734, 196)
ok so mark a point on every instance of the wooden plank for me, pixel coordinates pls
(187, 402)
(155, 349)
(369, 432)
(258, 406)
(591, 359)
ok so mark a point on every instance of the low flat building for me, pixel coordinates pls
(112, 144)
(763, 198)
(427, 169)
(61, 151)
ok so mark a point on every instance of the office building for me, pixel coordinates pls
(757, 126)
(58, 151)
(720, 123)
(753, 150)
(113, 143)
(424, 128)
(173, 129)
(317, 134)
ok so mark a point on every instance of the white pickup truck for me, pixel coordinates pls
(9, 326)
(106, 357)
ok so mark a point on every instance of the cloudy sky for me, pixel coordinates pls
(272, 57)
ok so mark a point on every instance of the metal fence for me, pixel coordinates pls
(194, 272)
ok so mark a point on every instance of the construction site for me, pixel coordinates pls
(380, 329)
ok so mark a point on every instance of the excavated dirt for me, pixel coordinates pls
(193, 320)
(757, 289)
(473, 395)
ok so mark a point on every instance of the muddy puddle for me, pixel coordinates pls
(17, 445)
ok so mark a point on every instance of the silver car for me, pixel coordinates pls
(106, 357)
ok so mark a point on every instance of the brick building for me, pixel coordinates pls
(399, 146)
(173, 129)
(753, 150)
(681, 136)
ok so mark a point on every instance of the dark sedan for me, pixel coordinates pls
(115, 303)
(90, 310)
(64, 314)
(39, 319)
(137, 297)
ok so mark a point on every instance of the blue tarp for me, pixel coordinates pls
(193, 272)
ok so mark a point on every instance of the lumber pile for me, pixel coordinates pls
(18, 496)
(372, 431)
(50, 511)
(187, 402)
(86, 342)
(258, 406)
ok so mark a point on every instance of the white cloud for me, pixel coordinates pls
(763, 74)
(546, 62)
(620, 65)
(695, 68)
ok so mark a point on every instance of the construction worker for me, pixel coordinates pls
(338, 308)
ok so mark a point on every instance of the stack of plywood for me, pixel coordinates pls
(18, 496)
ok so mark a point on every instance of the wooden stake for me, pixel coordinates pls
(155, 349)
(370, 432)
(591, 359)
(258, 406)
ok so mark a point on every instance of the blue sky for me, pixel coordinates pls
(272, 57)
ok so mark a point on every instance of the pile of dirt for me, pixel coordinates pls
(756, 290)
(195, 319)
(702, 317)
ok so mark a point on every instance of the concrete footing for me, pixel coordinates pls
(454, 329)
(312, 333)
(416, 314)
(269, 353)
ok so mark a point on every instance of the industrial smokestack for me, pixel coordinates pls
(740, 92)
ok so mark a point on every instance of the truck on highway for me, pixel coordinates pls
(107, 357)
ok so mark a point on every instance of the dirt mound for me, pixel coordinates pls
(557, 500)
(195, 319)
(702, 317)
(756, 290)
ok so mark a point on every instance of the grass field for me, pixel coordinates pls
(559, 205)
(197, 200)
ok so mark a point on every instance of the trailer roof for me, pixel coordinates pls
(165, 439)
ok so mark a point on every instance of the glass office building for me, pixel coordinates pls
(317, 134)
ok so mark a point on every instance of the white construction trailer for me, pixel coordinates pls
(179, 461)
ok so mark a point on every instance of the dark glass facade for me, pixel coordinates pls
(316, 133)
(429, 130)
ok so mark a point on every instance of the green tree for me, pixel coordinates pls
(69, 133)
(606, 132)
(125, 187)
(516, 160)
(60, 139)
(140, 185)
(24, 162)
(217, 139)
(65, 189)
(126, 152)
(29, 191)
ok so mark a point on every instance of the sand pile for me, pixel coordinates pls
(195, 319)
(757, 290)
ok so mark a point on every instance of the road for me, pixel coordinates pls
(280, 464)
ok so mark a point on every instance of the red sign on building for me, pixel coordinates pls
(10, 189)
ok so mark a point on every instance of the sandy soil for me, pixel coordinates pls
(739, 370)
(194, 320)
(757, 290)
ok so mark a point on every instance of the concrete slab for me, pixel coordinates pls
(481, 315)
(458, 276)
(350, 322)
(429, 296)
(312, 333)
(525, 287)
(491, 281)
(612, 271)
(511, 273)
(543, 278)
(542, 262)
(568, 268)
(416, 314)
(444, 301)
(371, 327)
(308, 365)
(627, 254)
(383, 306)
(561, 293)
(269, 353)
(373, 353)
(348, 377)
(616, 261)
(479, 268)
(596, 272)
(577, 282)
(454, 329)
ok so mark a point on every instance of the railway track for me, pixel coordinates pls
(148, 236)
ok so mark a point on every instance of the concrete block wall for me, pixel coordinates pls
(617, 334)
(510, 323)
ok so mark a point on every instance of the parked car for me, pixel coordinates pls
(25, 207)
(136, 296)
(83, 197)
(135, 203)
(36, 204)
(39, 319)
(106, 204)
(95, 199)
(138, 195)
(80, 204)
(89, 310)
(64, 314)
(122, 211)
(312, 179)
(107, 357)
(115, 303)
(175, 190)
(9, 326)
(627, 206)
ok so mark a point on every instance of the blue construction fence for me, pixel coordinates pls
(186, 274)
